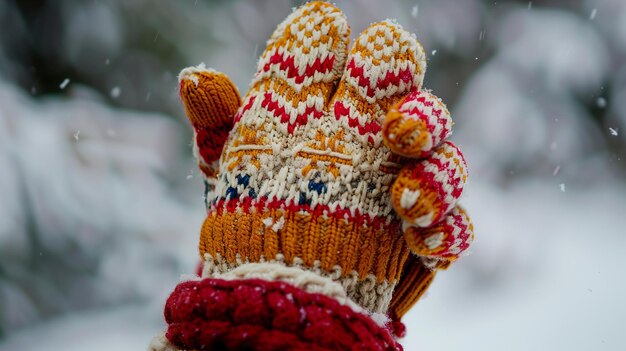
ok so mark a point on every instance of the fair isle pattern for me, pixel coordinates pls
(308, 47)
(427, 191)
(336, 159)
(385, 61)
(305, 177)
(298, 70)
(446, 240)
(416, 124)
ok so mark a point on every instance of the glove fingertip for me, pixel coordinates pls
(211, 101)
(210, 97)
(416, 125)
(443, 242)
(424, 192)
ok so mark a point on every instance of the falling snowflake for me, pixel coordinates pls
(556, 170)
(562, 187)
(601, 102)
(414, 11)
(64, 83)
(592, 15)
(76, 135)
(434, 52)
(115, 92)
(614, 131)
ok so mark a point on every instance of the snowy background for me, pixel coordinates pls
(101, 204)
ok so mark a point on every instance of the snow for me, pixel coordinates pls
(520, 107)
(115, 92)
(268, 221)
(613, 131)
(279, 224)
(122, 328)
(526, 285)
(64, 83)
(106, 226)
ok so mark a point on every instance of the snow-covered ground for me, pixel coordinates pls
(546, 272)
(121, 328)
(95, 207)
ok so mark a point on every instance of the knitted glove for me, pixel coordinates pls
(321, 183)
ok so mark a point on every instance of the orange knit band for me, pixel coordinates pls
(365, 254)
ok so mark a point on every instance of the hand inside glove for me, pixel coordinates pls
(331, 192)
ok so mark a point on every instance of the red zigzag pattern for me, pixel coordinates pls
(287, 64)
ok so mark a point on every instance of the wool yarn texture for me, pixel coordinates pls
(332, 192)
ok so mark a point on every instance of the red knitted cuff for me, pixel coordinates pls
(254, 314)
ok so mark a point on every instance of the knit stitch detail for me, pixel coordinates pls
(447, 240)
(254, 314)
(333, 164)
(372, 296)
(426, 191)
(211, 101)
(161, 343)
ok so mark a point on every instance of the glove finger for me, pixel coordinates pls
(443, 241)
(385, 63)
(426, 191)
(211, 101)
(416, 124)
(300, 67)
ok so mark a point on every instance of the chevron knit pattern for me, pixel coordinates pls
(336, 164)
